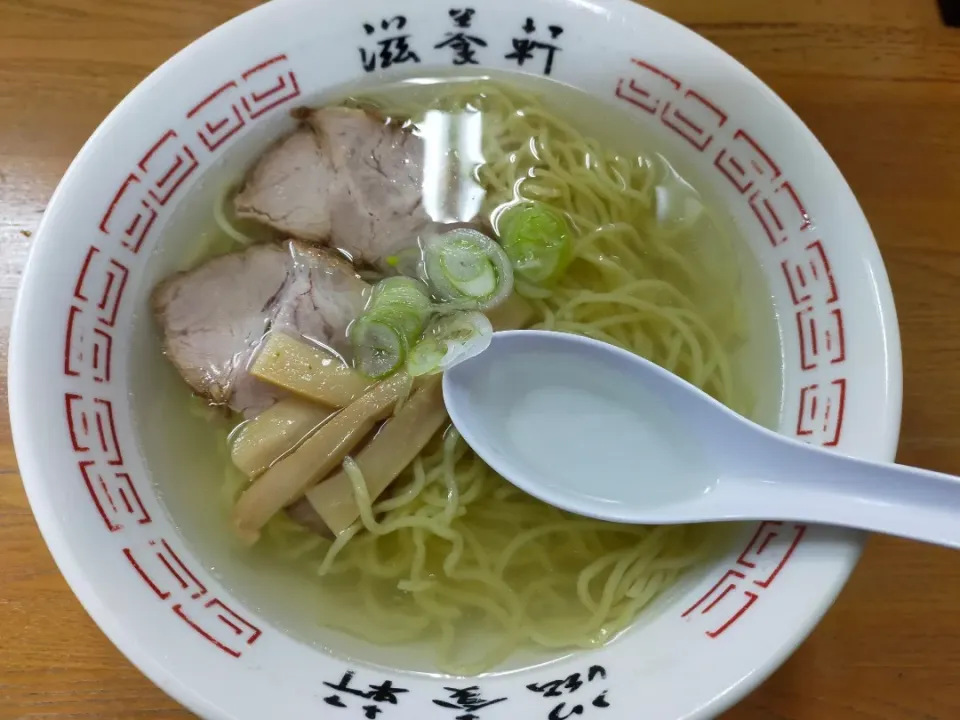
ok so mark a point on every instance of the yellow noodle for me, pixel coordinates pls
(456, 551)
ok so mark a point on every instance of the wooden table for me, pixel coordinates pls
(878, 81)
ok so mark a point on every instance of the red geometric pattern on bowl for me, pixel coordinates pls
(165, 573)
(130, 217)
(776, 206)
(734, 593)
(127, 222)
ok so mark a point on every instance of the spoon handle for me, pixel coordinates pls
(799, 482)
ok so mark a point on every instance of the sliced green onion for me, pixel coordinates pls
(391, 324)
(536, 238)
(405, 297)
(379, 347)
(466, 267)
(400, 289)
(450, 341)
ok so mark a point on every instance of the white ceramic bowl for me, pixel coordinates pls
(127, 510)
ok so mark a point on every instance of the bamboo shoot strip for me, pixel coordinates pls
(308, 371)
(399, 441)
(287, 480)
(259, 442)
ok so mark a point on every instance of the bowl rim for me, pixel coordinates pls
(64, 555)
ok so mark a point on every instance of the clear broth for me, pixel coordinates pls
(191, 480)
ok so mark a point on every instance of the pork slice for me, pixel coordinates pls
(346, 178)
(379, 211)
(291, 188)
(213, 317)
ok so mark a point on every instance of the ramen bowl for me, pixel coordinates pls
(124, 497)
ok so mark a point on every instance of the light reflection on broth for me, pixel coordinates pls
(430, 544)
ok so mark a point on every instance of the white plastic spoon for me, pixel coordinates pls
(601, 432)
